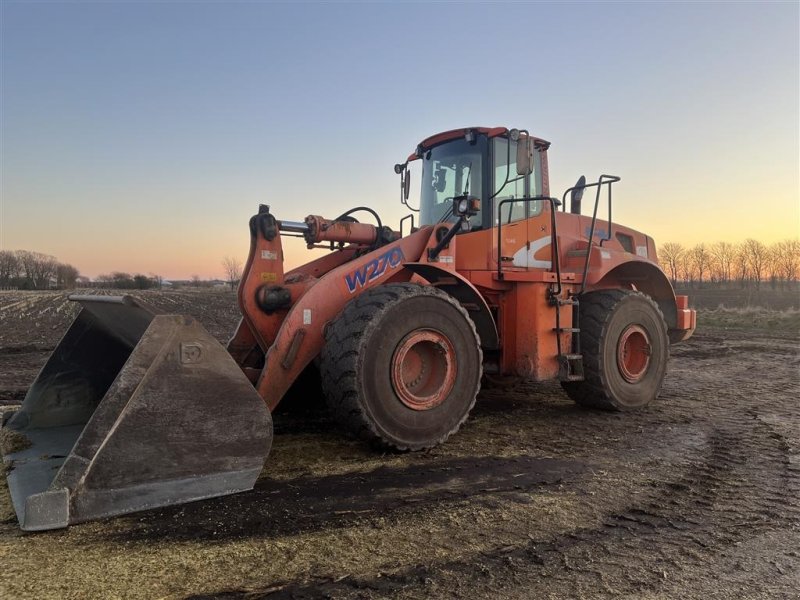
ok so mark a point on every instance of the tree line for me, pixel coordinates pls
(747, 264)
(127, 281)
(26, 270)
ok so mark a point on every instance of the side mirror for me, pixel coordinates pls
(576, 195)
(407, 183)
(525, 156)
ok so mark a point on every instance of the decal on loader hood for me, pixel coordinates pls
(374, 269)
(525, 256)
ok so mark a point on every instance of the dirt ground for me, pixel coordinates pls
(696, 497)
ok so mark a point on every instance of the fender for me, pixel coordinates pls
(470, 298)
(646, 277)
(301, 334)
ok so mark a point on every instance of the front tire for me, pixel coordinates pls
(401, 366)
(625, 348)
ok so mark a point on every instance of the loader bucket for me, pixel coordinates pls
(132, 411)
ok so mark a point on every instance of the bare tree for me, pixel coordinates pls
(122, 280)
(786, 255)
(686, 268)
(66, 276)
(772, 268)
(750, 263)
(756, 253)
(722, 254)
(142, 282)
(9, 267)
(671, 254)
(741, 268)
(700, 258)
(38, 268)
(233, 270)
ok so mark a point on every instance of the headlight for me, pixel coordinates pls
(466, 206)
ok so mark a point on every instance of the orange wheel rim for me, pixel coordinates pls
(633, 353)
(423, 369)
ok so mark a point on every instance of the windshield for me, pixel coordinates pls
(449, 170)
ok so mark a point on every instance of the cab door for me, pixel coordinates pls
(525, 225)
(539, 251)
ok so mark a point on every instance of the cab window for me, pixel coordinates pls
(517, 187)
(450, 170)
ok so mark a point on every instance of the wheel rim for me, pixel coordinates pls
(423, 369)
(633, 353)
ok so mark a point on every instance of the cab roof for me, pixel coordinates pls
(453, 134)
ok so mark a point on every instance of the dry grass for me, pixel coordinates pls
(752, 317)
(12, 441)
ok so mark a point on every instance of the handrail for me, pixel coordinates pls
(609, 179)
(403, 220)
(603, 180)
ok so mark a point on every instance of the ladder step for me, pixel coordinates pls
(559, 301)
(567, 329)
(573, 377)
(570, 367)
(567, 302)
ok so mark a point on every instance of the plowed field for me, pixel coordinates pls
(696, 497)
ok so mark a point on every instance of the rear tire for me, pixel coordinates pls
(625, 348)
(401, 366)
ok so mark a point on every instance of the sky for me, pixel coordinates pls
(141, 136)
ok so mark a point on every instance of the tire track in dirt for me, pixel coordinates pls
(305, 504)
(743, 484)
(683, 524)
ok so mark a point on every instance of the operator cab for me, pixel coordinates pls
(490, 164)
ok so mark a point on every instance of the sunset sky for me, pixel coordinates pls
(141, 137)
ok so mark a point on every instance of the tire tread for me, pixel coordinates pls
(343, 348)
(596, 310)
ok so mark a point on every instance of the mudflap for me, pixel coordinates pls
(133, 410)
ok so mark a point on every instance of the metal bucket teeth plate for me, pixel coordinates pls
(132, 411)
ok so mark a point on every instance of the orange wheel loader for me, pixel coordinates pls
(494, 278)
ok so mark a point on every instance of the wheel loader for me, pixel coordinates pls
(490, 278)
